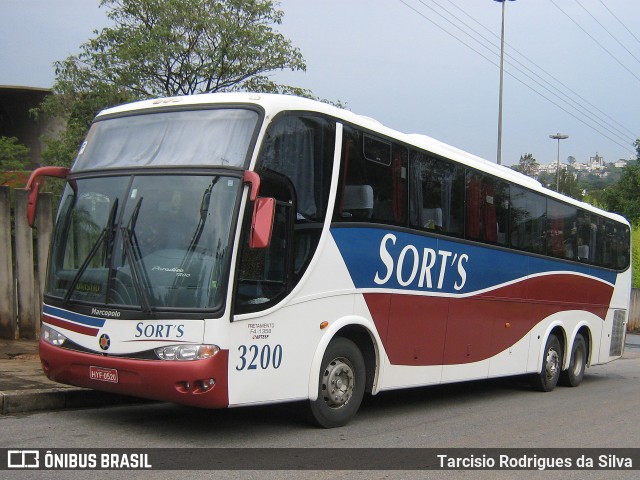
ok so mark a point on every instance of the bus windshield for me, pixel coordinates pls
(149, 242)
(179, 138)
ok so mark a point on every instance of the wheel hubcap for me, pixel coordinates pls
(337, 383)
(553, 364)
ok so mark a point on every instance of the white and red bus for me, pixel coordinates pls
(240, 249)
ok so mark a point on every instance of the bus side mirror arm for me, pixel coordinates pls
(34, 184)
(263, 213)
(253, 179)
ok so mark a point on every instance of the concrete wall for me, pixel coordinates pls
(634, 311)
(23, 264)
(16, 121)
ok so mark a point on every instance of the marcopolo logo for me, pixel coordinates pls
(105, 313)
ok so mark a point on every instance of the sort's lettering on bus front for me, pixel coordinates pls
(413, 267)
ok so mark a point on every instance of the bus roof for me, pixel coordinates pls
(275, 103)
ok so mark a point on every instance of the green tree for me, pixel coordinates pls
(569, 184)
(595, 198)
(548, 180)
(167, 48)
(527, 165)
(13, 155)
(623, 197)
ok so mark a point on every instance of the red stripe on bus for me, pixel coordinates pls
(430, 330)
(74, 327)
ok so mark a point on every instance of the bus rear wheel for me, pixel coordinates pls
(572, 377)
(341, 384)
(547, 379)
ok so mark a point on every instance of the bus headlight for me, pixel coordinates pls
(187, 352)
(52, 336)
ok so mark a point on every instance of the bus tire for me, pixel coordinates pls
(547, 379)
(572, 376)
(340, 384)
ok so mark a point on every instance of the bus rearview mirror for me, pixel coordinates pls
(33, 187)
(262, 222)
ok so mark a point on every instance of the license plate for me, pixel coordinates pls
(103, 374)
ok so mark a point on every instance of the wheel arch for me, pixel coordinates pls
(584, 330)
(566, 341)
(359, 332)
(558, 330)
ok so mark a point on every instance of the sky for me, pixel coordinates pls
(423, 66)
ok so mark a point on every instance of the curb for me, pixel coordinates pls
(12, 402)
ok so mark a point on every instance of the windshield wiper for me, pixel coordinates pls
(204, 210)
(136, 275)
(133, 255)
(106, 235)
(195, 239)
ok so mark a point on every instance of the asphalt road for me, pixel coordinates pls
(601, 413)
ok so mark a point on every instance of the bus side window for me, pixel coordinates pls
(487, 208)
(373, 181)
(264, 275)
(527, 218)
(587, 232)
(562, 230)
(437, 197)
(301, 148)
(617, 242)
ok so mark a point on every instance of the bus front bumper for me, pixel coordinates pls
(200, 383)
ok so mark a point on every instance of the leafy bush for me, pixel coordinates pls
(13, 155)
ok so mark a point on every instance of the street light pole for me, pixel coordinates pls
(499, 155)
(558, 137)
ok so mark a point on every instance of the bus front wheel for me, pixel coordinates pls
(340, 385)
(547, 379)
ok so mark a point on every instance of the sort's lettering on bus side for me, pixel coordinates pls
(254, 357)
(421, 265)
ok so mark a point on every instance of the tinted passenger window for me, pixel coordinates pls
(301, 148)
(437, 201)
(562, 230)
(487, 208)
(616, 245)
(527, 218)
(263, 273)
(624, 240)
(373, 181)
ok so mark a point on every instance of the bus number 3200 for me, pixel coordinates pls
(253, 356)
